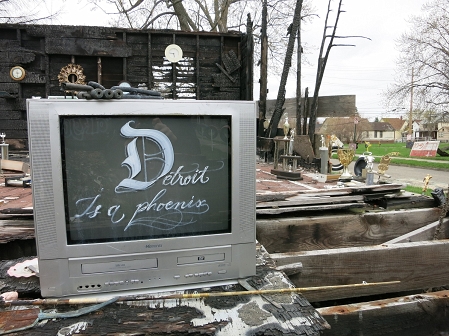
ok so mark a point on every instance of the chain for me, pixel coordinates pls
(443, 212)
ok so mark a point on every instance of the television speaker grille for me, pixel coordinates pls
(42, 183)
(247, 193)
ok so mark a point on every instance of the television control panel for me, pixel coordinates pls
(133, 272)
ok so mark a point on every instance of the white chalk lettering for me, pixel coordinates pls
(88, 210)
(179, 177)
(112, 211)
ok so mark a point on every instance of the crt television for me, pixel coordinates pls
(142, 194)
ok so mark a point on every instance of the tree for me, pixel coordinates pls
(24, 12)
(343, 128)
(327, 42)
(210, 15)
(186, 15)
(272, 129)
(423, 68)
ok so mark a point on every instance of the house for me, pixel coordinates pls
(400, 127)
(365, 130)
(380, 132)
(443, 132)
(344, 127)
(424, 131)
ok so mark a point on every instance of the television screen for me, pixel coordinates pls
(139, 177)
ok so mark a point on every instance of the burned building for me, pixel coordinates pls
(35, 59)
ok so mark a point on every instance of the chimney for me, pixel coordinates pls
(401, 117)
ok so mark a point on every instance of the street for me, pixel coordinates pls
(414, 176)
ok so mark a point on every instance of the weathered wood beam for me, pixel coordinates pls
(413, 315)
(294, 234)
(423, 233)
(417, 265)
(323, 207)
(301, 201)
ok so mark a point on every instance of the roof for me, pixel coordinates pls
(381, 126)
(397, 123)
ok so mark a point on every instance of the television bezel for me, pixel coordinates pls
(238, 110)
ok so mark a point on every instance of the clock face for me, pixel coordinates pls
(173, 53)
(17, 73)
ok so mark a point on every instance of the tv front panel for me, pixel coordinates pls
(132, 195)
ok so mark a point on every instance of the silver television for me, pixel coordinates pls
(136, 195)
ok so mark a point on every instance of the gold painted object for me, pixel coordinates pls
(345, 156)
(72, 73)
(426, 182)
(385, 162)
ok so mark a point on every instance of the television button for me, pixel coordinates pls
(196, 274)
(177, 276)
(201, 258)
(222, 272)
(209, 273)
(121, 282)
(106, 283)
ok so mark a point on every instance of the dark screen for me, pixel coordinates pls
(128, 177)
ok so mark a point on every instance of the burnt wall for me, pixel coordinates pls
(214, 66)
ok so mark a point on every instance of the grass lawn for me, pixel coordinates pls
(404, 152)
(418, 190)
(404, 155)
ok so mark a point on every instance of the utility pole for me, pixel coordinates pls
(410, 121)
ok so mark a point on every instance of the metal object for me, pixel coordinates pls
(426, 183)
(72, 73)
(324, 155)
(369, 178)
(345, 156)
(385, 162)
(4, 148)
(286, 127)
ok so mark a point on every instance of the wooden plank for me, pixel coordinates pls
(87, 47)
(279, 314)
(418, 265)
(268, 196)
(316, 232)
(324, 207)
(15, 165)
(413, 315)
(424, 233)
(301, 201)
(11, 230)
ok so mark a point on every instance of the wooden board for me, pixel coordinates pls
(15, 165)
(324, 207)
(413, 315)
(298, 234)
(417, 265)
(424, 233)
(277, 314)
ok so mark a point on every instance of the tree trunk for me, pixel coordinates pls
(322, 60)
(263, 70)
(299, 108)
(277, 114)
(185, 22)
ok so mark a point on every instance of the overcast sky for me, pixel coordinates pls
(367, 69)
(364, 70)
